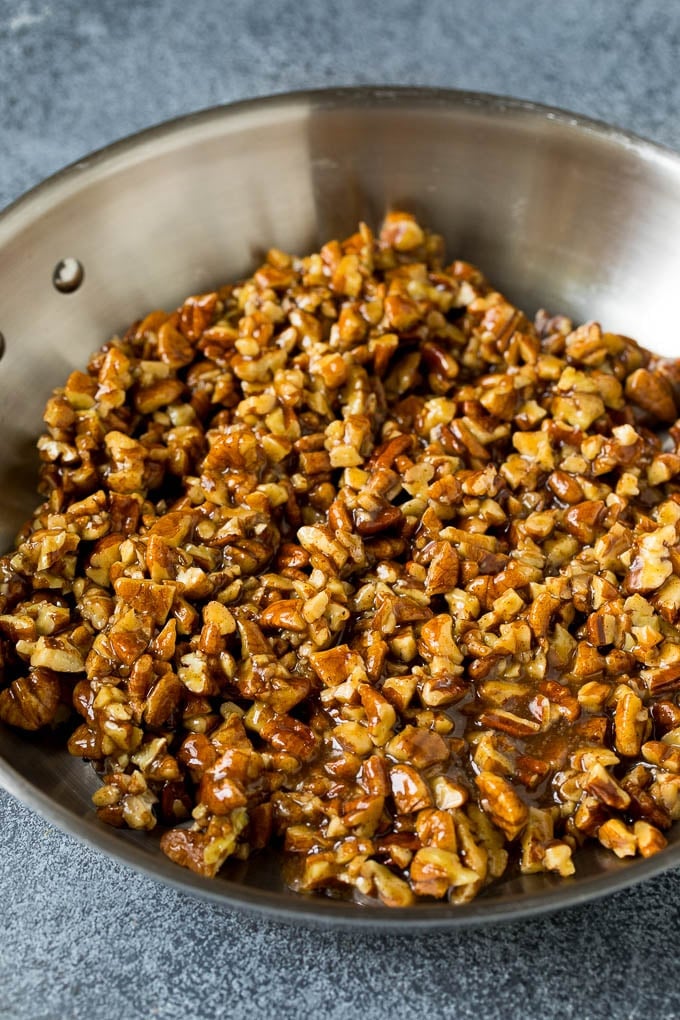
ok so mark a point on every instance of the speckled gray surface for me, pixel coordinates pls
(81, 937)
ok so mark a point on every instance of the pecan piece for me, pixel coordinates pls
(630, 723)
(502, 803)
(410, 791)
(434, 871)
(419, 747)
(163, 699)
(31, 701)
(205, 851)
(603, 786)
(653, 393)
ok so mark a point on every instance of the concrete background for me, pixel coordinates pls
(81, 937)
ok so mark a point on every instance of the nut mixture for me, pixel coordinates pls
(353, 558)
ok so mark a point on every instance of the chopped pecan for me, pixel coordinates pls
(434, 871)
(502, 802)
(31, 701)
(630, 723)
(653, 393)
(353, 555)
(205, 850)
(409, 789)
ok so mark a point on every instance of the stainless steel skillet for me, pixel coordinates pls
(559, 211)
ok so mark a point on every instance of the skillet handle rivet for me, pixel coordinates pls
(68, 275)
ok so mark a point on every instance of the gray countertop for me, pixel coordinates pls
(83, 937)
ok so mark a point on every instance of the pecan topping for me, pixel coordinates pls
(353, 558)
